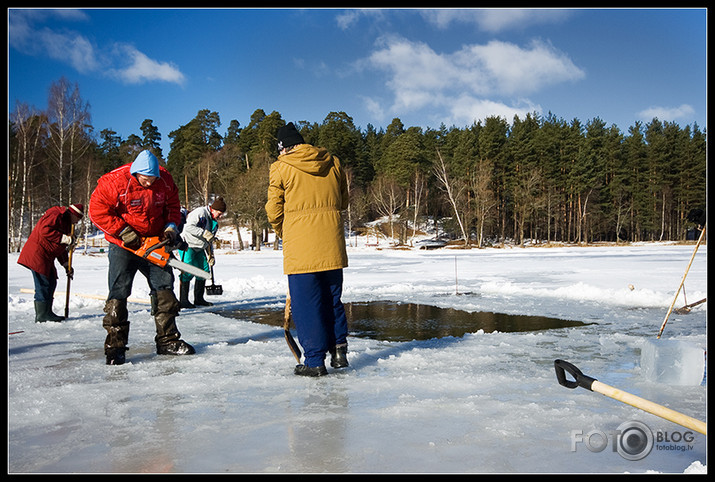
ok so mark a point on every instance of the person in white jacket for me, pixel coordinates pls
(199, 232)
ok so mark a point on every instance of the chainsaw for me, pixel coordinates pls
(157, 252)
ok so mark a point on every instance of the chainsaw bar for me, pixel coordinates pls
(156, 252)
(187, 268)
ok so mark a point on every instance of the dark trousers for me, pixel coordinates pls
(318, 313)
(44, 286)
(123, 266)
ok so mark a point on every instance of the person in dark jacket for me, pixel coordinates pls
(50, 240)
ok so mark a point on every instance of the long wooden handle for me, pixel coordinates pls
(667, 315)
(69, 268)
(650, 407)
(590, 383)
(287, 317)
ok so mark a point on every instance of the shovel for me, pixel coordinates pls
(69, 278)
(213, 289)
(287, 317)
(581, 380)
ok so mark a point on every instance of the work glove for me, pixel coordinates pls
(211, 259)
(208, 236)
(130, 239)
(70, 241)
(171, 234)
(68, 270)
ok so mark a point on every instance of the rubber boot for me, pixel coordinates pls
(199, 288)
(117, 325)
(307, 371)
(339, 356)
(152, 299)
(168, 339)
(43, 312)
(184, 294)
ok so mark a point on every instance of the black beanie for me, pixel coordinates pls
(288, 136)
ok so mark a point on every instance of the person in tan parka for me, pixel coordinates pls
(307, 193)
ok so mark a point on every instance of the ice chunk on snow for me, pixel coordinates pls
(673, 362)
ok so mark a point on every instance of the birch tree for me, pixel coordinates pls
(454, 189)
(69, 121)
(30, 128)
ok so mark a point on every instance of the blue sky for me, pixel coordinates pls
(425, 66)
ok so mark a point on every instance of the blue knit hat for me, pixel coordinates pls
(146, 164)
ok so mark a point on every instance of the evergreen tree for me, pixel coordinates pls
(151, 138)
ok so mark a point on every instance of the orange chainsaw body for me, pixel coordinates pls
(153, 250)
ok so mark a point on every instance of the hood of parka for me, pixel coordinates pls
(316, 161)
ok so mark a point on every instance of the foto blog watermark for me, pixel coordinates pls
(633, 440)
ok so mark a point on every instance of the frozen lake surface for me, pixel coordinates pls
(483, 402)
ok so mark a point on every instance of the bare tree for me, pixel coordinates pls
(201, 172)
(418, 192)
(69, 120)
(484, 198)
(454, 189)
(388, 198)
(528, 197)
(245, 192)
(30, 128)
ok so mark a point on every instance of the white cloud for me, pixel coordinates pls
(467, 82)
(506, 68)
(468, 109)
(494, 19)
(143, 69)
(68, 47)
(683, 111)
(348, 18)
(25, 35)
(374, 107)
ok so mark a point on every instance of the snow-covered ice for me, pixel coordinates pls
(480, 403)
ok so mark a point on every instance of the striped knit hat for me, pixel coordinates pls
(77, 209)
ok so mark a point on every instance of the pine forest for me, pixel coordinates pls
(537, 179)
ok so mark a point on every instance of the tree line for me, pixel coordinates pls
(538, 178)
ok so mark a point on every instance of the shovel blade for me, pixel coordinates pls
(214, 290)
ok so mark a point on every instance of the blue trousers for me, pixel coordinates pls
(44, 286)
(123, 266)
(318, 313)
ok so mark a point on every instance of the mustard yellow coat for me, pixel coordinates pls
(307, 193)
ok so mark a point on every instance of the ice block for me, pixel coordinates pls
(673, 362)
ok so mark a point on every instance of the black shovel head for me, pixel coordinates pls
(214, 290)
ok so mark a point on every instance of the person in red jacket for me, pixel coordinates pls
(49, 241)
(134, 201)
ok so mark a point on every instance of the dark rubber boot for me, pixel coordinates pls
(184, 294)
(199, 287)
(339, 356)
(43, 312)
(168, 339)
(152, 300)
(306, 371)
(117, 326)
